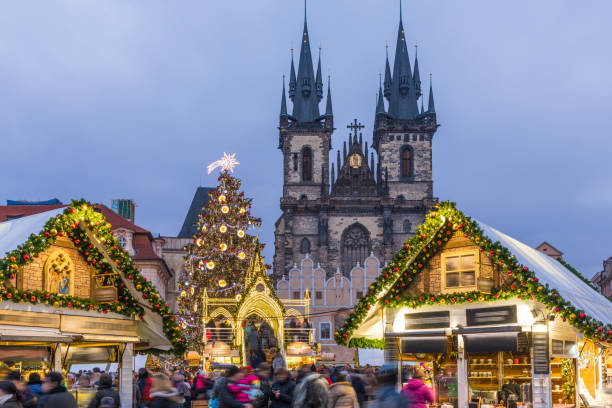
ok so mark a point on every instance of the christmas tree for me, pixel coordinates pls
(219, 256)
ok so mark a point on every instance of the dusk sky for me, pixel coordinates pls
(132, 99)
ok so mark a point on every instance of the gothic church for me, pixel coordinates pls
(370, 200)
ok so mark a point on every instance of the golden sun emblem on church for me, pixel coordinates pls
(355, 160)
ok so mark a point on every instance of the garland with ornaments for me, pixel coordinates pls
(391, 287)
(70, 224)
(217, 260)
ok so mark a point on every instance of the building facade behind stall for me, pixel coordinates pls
(603, 279)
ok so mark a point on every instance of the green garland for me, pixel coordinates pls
(367, 343)
(567, 373)
(429, 239)
(68, 225)
(582, 278)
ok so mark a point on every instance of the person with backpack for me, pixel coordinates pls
(105, 396)
(221, 396)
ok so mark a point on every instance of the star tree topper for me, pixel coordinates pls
(227, 162)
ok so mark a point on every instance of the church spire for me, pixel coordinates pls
(431, 108)
(403, 100)
(417, 76)
(283, 111)
(328, 105)
(319, 80)
(305, 102)
(388, 78)
(380, 105)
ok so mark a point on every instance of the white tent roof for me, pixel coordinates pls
(552, 272)
(15, 232)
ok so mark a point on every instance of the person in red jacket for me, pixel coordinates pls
(416, 392)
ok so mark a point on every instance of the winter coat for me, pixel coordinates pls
(59, 397)
(105, 392)
(145, 384)
(342, 395)
(225, 399)
(278, 362)
(417, 393)
(389, 398)
(311, 392)
(359, 388)
(166, 399)
(35, 388)
(262, 400)
(11, 403)
(285, 395)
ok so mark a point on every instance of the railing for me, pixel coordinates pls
(304, 335)
(215, 334)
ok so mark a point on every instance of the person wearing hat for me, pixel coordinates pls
(55, 394)
(416, 392)
(341, 393)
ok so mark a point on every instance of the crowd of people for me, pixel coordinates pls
(307, 387)
(246, 387)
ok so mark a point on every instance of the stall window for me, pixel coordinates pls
(318, 295)
(460, 269)
(296, 295)
(359, 294)
(325, 328)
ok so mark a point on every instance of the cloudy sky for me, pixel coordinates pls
(131, 99)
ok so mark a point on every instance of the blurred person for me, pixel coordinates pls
(311, 391)
(105, 395)
(201, 385)
(264, 373)
(35, 384)
(144, 383)
(387, 396)
(163, 395)
(221, 396)
(183, 388)
(356, 381)
(55, 395)
(341, 393)
(278, 361)
(416, 392)
(9, 397)
(281, 392)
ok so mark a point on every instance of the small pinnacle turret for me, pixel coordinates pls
(380, 104)
(431, 108)
(328, 105)
(292, 80)
(388, 78)
(417, 76)
(283, 111)
(319, 80)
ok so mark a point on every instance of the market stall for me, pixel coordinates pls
(491, 320)
(71, 295)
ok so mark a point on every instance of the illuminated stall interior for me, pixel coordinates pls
(489, 318)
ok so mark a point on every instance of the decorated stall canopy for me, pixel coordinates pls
(510, 270)
(66, 261)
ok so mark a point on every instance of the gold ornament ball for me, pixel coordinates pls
(192, 290)
(242, 211)
(241, 233)
(118, 308)
(225, 209)
(183, 294)
(56, 304)
(199, 242)
(195, 307)
(210, 264)
(139, 287)
(203, 228)
(223, 229)
(222, 198)
(241, 255)
(222, 283)
(223, 246)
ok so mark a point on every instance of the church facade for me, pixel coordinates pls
(367, 202)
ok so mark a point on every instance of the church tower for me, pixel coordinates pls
(305, 141)
(403, 134)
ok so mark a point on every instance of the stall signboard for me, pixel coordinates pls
(491, 316)
(541, 357)
(429, 320)
(422, 345)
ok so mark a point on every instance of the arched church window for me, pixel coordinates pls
(406, 226)
(406, 162)
(305, 246)
(355, 246)
(306, 164)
